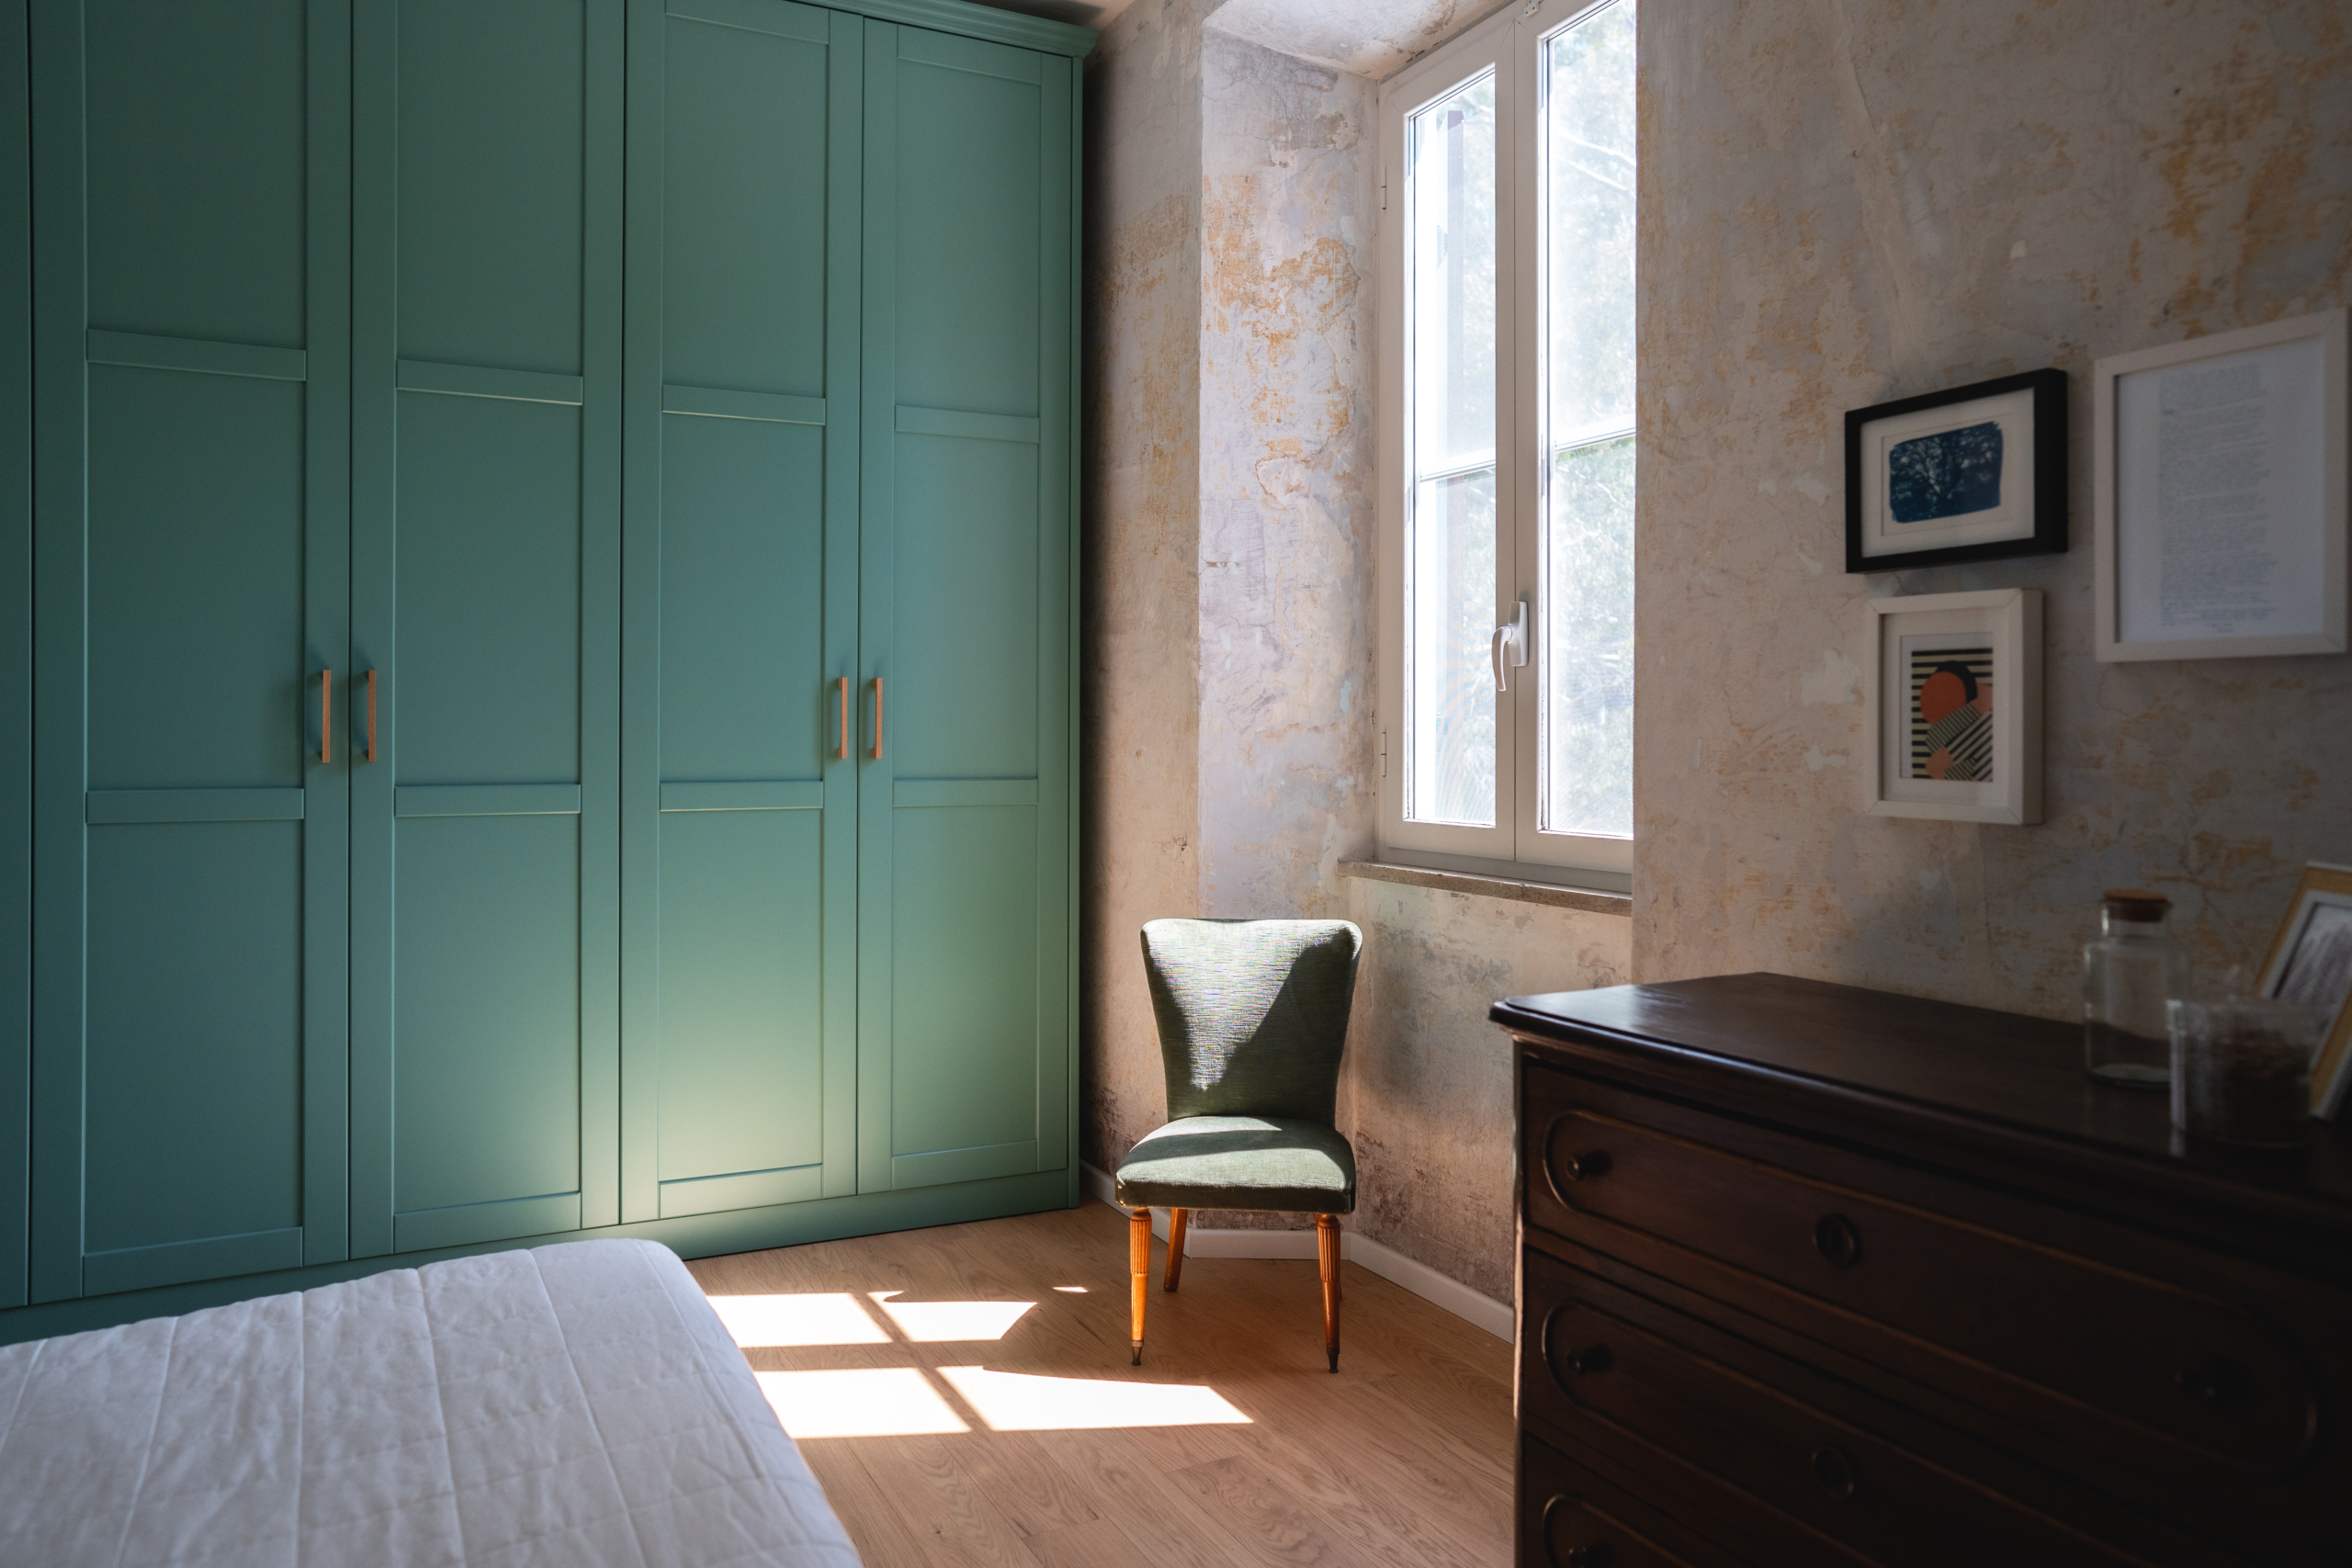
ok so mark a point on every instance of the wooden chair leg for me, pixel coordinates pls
(1326, 1252)
(1139, 1264)
(1175, 1247)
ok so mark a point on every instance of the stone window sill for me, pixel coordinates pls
(1486, 886)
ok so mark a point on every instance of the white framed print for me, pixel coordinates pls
(1952, 700)
(2220, 496)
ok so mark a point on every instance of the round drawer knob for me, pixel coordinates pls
(1838, 1240)
(1835, 1471)
(1592, 1554)
(1585, 1165)
(2213, 1382)
(1591, 1358)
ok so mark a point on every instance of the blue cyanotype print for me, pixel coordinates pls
(1945, 475)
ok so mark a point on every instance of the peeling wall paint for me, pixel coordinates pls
(1286, 331)
(1845, 203)
(1140, 547)
(1230, 606)
(1431, 1079)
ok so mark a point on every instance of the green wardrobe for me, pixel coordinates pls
(540, 597)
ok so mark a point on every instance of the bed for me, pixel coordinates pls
(578, 1404)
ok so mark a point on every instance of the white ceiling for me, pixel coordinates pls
(1366, 38)
(1085, 13)
(1369, 38)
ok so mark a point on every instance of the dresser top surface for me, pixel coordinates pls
(1913, 1060)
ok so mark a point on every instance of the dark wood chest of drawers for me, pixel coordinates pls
(1816, 1275)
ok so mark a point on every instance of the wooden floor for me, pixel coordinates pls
(965, 1395)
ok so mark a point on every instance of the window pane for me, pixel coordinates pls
(1589, 222)
(1450, 620)
(1451, 161)
(1449, 435)
(1587, 274)
(1588, 664)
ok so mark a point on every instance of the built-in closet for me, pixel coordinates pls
(551, 632)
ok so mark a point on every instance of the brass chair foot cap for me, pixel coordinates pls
(1334, 1354)
(1138, 1360)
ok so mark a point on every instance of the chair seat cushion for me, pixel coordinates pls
(1240, 1162)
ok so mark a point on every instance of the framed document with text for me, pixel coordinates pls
(2221, 500)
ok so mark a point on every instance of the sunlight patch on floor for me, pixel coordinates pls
(866, 1402)
(931, 1321)
(890, 1401)
(1019, 1402)
(758, 1322)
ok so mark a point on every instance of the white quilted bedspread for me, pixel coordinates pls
(577, 1404)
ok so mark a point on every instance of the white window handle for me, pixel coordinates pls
(1511, 635)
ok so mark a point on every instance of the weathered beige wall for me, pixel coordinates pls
(1847, 203)
(1431, 1077)
(1229, 561)
(1140, 517)
(1286, 644)
(1844, 202)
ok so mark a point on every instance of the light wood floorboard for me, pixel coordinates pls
(1230, 1447)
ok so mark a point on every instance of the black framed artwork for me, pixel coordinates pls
(1973, 473)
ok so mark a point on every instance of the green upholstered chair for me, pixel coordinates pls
(1252, 1017)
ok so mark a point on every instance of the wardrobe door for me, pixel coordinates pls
(487, 165)
(963, 1008)
(741, 783)
(192, 547)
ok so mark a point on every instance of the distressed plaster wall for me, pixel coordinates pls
(1844, 202)
(1140, 510)
(1285, 643)
(1432, 1078)
(1230, 592)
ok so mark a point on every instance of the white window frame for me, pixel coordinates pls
(1510, 45)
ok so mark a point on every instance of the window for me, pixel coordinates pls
(1507, 445)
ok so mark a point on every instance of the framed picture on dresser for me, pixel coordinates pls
(2311, 963)
(1952, 706)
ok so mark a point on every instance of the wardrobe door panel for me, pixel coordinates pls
(195, 938)
(177, 97)
(195, 520)
(490, 180)
(741, 622)
(485, 863)
(488, 557)
(191, 520)
(964, 1013)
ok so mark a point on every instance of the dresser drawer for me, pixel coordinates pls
(1571, 1518)
(1600, 1378)
(2112, 1352)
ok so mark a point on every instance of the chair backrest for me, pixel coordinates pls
(1252, 1013)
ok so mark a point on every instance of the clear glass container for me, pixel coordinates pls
(2129, 975)
(2242, 1070)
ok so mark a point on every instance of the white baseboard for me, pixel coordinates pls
(1424, 1281)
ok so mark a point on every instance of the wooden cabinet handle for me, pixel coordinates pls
(1588, 1554)
(326, 716)
(1587, 1164)
(2213, 1382)
(1591, 1358)
(842, 752)
(1836, 1239)
(877, 719)
(1835, 1471)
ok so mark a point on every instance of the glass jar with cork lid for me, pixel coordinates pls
(2129, 974)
